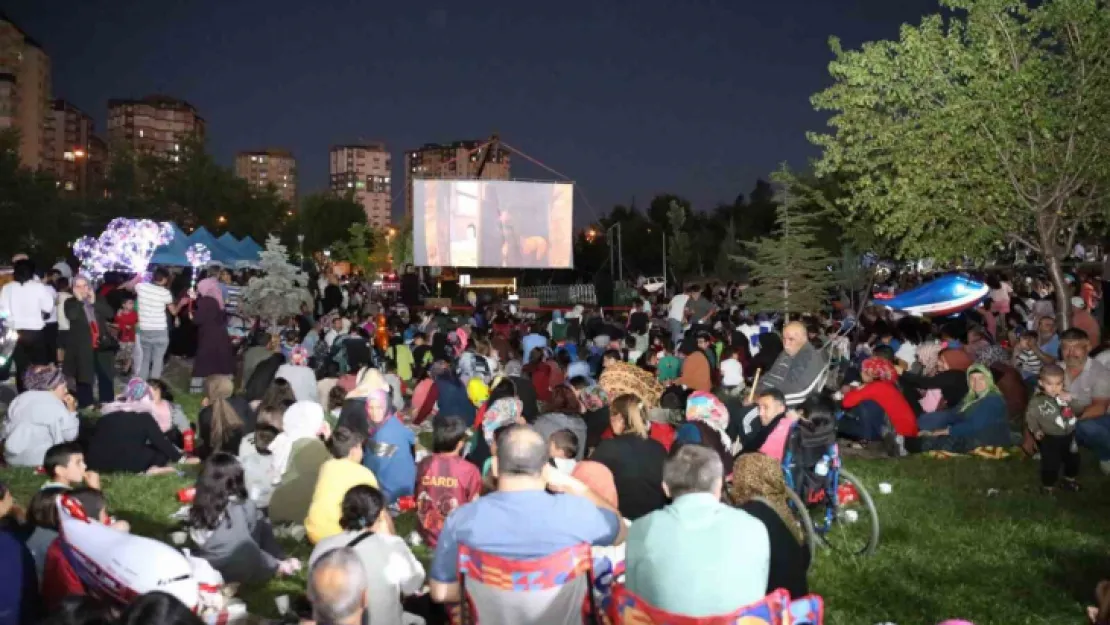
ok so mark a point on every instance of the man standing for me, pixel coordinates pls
(676, 316)
(153, 301)
(697, 557)
(1088, 385)
(337, 588)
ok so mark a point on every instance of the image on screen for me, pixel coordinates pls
(492, 223)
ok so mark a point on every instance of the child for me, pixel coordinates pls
(732, 375)
(59, 580)
(64, 465)
(229, 531)
(562, 447)
(338, 475)
(168, 412)
(444, 480)
(259, 473)
(336, 396)
(1052, 423)
(389, 372)
(126, 320)
(1026, 360)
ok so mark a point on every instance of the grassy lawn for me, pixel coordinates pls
(948, 549)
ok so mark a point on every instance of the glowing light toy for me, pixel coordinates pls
(198, 256)
(126, 245)
(8, 338)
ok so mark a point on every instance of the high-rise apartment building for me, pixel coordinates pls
(269, 167)
(365, 170)
(25, 93)
(76, 153)
(453, 160)
(156, 124)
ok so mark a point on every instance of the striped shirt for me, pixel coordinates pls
(231, 298)
(151, 301)
(1029, 362)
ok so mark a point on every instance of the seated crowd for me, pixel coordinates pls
(648, 457)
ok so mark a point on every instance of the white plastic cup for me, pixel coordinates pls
(885, 488)
(282, 604)
(179, 538)
(851, 516)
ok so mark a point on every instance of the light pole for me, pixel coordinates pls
(300, 243)
(615, 248)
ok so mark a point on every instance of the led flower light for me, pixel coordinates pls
(198, 256)
(126, 245)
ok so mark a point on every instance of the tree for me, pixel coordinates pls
(400, 244)
(355, 249)
(281, 289)
(988, 127)
(789, 270)
(680, 253)
(326, 218)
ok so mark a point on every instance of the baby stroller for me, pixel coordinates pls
(831, 505)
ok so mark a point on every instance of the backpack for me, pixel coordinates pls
(809, 455)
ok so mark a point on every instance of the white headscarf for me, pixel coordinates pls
(304, 419)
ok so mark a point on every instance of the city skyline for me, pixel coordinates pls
(627, 100)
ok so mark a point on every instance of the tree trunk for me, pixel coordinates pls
(1063, 297)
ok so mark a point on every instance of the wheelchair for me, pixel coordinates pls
(830, 504)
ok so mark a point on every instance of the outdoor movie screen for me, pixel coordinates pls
(492, 223)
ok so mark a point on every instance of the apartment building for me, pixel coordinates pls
(25, 100)
(365, 169)
(452, 160)
(77, 155)
(156, 124)
(261, 168)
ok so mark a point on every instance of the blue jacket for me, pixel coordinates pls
(19, 592)
(985, 422)
(389, 455)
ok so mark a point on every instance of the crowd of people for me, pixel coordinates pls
(635, 456)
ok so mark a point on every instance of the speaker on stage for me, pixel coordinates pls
(410, 290)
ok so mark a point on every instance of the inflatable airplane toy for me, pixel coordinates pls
(946, 295)
(118, 566)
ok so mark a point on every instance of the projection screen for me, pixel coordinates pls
(492, 223)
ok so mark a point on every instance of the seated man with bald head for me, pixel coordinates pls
(337, 588)
(535, 512)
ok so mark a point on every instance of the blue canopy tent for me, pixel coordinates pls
(221, 253)
(229, 240)
(249, 251)
(172, 253)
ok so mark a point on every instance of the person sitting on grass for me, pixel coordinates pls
(128, 439)
(169, 415)
(229, 531)
(392, 570)
(43, 415)
(19, 592)
(878, 410)
(980, 421)
(298, 454)
(64, 466)
(223, 419)
(59, 580)
(257, 459)
(444, 480)
(563, 447)
(42, 521)
(1052, 423)
(391, 444)
(338, 475)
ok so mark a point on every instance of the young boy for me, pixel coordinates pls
(126, 320)
(1026, 359)
(444, 480)
(59, 580)
(338, 475)
(1052, 423)
(64, 465)
(562, 447)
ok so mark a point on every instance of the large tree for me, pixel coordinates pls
(326, 218)
(986, 126)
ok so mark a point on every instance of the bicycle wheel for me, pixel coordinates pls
(854, 528)
(804, 522)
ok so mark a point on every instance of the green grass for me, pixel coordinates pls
(948, 549)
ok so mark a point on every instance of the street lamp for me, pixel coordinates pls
(222, 219)
(300, 242)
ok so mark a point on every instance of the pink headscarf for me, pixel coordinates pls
(210, 287)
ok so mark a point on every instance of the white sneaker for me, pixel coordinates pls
(1104, 466)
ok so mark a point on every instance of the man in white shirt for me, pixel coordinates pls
(153, 299)
(676, 316)
(27, 303)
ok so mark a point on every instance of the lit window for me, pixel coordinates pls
(177, 159)
(177, 147)
(350, 184)
(360, 184)
(284, 185)
(68, 156)
(386, 179)
(69, 185)
(254, 159)
(141, 133)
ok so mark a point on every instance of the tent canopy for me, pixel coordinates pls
(221, 253)
(172, 253)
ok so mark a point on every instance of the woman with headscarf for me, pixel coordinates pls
(215, 355)
(758, 488)
(563, 413)
(1008, 380)
(877, 406)
(979, 421)
(90, 348)
(298, 374)
(127, 439)
(706, 422)
(390, 444)
(43, 415)
(950, 377)
(297, 455)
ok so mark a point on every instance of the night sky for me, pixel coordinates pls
(628, 98)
